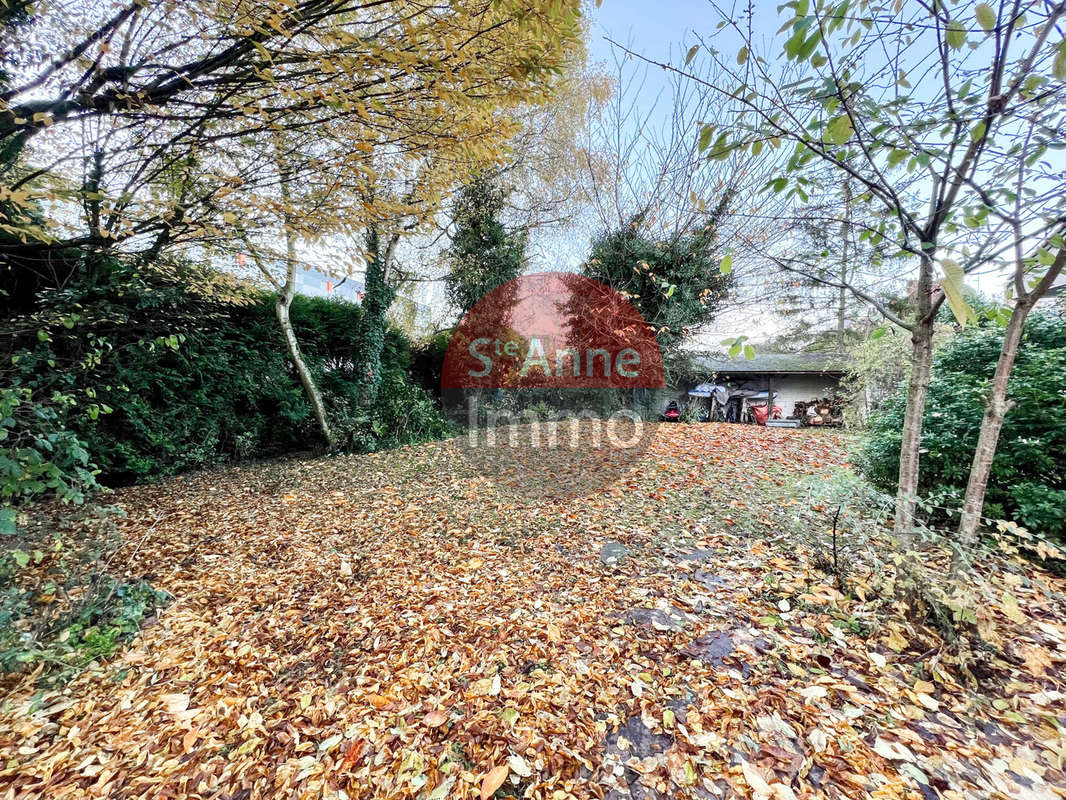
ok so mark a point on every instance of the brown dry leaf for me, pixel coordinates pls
(175, 703)
(378, 701)
(1037, 659)
(493, 780)
(755, 779)
(435, 719)
(189, 740)
(353, 754)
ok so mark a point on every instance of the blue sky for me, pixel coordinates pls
(664, 30)
(654, 27)
(661, 29)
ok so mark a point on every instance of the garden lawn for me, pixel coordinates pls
(395, 625)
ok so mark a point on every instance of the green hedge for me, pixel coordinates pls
(158, 374)
(1028, 480)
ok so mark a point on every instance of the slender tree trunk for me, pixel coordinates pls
(921, 365)
(998, 406)
(845, 236)
(314, 396)
(281, 309)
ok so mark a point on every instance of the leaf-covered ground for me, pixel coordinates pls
(397, 626)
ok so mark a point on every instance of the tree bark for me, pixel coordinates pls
(314, 396)
(845, 236)
(921, 365)
(286, 291)
(998, 406)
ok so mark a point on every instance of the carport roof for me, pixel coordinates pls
(774, 364)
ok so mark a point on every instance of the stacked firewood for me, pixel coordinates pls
(827, 411)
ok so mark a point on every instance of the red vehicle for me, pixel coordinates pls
(672, 413)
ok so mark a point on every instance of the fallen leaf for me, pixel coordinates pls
(175, 703)
(493, 780)
(755, 779)
(189, 740)
(893, 751)
(519, 766)
(435, 719)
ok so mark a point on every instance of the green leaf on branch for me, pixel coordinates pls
(953, 290)
(839, 129)
(956, 35)
(986, 17)
(1058, 66)
(691, 54)
(749, 352)
(727, 264)
(809, 46)
(706, 132)
(895, 157)
(721, 149)
(742, 56)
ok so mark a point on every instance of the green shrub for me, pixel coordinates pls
(1028, 479)
(170, 371)
(40, 457)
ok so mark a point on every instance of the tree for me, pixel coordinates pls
(191, 129)
(377, 297)
(676, 284)
(286, 290)
(154, 126)
(1049, 258)
(1029, 471)
(940, 114)
(653, 192)
(814, 262)
(483, 254)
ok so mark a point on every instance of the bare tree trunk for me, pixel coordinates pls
(845, 236)
(921, 365)
(281, 309)
(314, 396)
(998, 406)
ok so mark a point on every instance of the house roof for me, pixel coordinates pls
(774, 364)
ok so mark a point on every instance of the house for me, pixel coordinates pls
(315, 283)
(791, 377)
(407, 310)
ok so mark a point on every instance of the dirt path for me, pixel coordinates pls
(393, 626)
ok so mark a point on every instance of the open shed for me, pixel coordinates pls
(792, 377)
